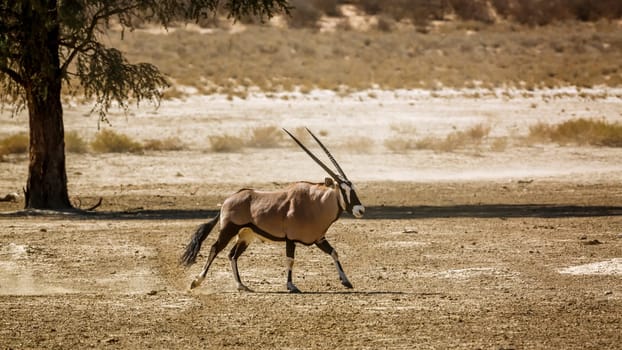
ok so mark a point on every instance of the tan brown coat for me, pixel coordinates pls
(302, 212)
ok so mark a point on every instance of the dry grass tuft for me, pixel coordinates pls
(358, 144)
(403, 128)
(14, 144)
(108, 141)
(167, 144)
(74, 143)
(265, 137)
(225, 143)
(578, 131)
(399, 144)
(472, 137)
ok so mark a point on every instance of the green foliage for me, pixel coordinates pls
(108, 141)
(108, 77)
(578, 131)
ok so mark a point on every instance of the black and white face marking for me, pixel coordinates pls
(349, 199)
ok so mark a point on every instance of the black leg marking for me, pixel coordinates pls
(234, 254)
(290, 251)
(328, 249)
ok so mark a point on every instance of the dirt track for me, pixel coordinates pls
(462, 274)
(526, 263)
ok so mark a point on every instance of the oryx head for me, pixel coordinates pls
(348, 199)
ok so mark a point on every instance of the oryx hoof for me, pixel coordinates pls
(347, 284)
(243, 288)
(195, 283)
(293, 289)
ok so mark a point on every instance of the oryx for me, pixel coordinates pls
(300, 213)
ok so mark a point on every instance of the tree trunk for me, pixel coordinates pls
(47, 176)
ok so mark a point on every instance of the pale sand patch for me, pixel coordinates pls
(607, 267)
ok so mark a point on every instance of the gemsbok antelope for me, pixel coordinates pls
(300, 213)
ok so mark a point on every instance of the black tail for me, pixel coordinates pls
(192, 249)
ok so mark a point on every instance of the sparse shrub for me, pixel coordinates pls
(14, 144)
(455, 140)
(167, 144)
(478, 132)
(476, 10)
(399, 144)
(499, 144)
(226, 143)
(359, 144)
(265, 137)
(108, 141)
(371, 7)
(301, 134)
(385, 23)
(74, 143)
(579, 131)
(303, 14)
(429, 143)
(404, 128)
(328, 7)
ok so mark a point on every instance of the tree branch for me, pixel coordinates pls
(90, 30)
(13, 75)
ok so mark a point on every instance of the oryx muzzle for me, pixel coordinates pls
(300, 213)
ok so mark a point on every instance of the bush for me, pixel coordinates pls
(14, 144)
(328, 7)
(265, 137)
(579, 131)
(108, 141)
(303, 15)
(476, 10)
(167, 144)
(74, 143)
(225, 143)
(399, 144)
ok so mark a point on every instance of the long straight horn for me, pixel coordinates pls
(319, 162)
(330, 156)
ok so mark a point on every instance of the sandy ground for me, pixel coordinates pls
(513, 249)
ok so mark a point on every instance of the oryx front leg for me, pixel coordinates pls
(290, 250)
(328, 249)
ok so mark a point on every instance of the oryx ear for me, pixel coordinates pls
(329, 182)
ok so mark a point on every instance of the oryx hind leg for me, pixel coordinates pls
(227, 232)
(328, 249)
(244, 239)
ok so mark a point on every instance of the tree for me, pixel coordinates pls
(48, 44)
